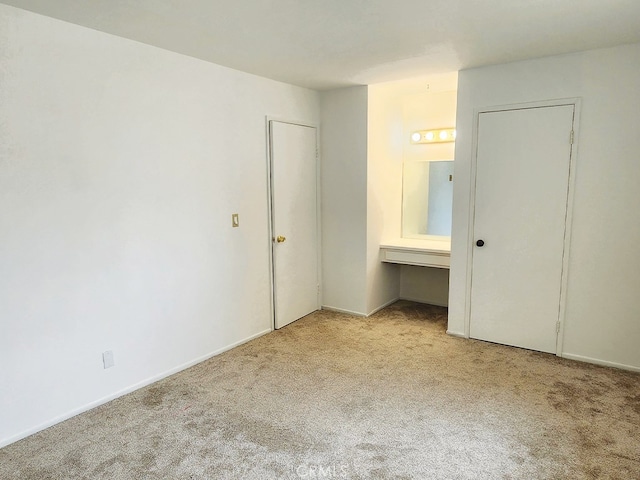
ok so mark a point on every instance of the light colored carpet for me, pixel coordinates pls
(336, 396)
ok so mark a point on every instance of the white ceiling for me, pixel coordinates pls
(324, 44)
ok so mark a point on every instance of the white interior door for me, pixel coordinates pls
(522, 179)
(294, 221)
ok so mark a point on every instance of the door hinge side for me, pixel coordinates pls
(571, 137)
(558, 326)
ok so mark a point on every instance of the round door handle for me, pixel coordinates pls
(280, 239)
(480, 243)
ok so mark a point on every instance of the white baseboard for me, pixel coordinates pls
(77, 411)
(456, 334)
(603, 363)
(376, 310)
(342, 310)
(422, 300)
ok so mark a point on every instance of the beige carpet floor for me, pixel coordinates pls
(336, 396)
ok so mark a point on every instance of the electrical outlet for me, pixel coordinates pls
(107, 359)
(235, 220)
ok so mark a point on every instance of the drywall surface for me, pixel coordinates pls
(120, 167)
(395, 110)
(431, 109)
(384, 190)
(602, 302)
(424, 284)
(343, 150)
(364, 141)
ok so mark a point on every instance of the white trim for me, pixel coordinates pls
(562, 311)
(603, 363)
(319, 215)
(268, 120)
(470, 223)
(385, 305)
(426, 302)
(302, 123)
(124, 391)
(576, 103)
(342, 310)
(272, 287)
(558, 102)
(456, 334)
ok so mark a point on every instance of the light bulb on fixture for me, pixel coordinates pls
(438, 135)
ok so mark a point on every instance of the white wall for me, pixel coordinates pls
(424, 285)
(430, 109)
(395, 110)
(603, 305)
(424, 110)
(120, 166)
(384, 191)
(343, 150)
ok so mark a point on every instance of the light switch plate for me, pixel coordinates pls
(107, 359)
(235, 220)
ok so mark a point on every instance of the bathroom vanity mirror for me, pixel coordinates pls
(427, 199)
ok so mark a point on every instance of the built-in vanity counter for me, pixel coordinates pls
(425, 253)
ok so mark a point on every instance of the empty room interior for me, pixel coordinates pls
(337, 239)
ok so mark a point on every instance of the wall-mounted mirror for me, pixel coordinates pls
(427, 199)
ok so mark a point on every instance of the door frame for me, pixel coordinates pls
(576, 103)
(270, 210)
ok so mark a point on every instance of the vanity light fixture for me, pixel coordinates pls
(439, 135)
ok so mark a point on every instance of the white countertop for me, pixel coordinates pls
(418, 244)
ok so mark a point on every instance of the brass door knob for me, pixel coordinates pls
(280, 239)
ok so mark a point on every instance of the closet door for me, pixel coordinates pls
(522, 179)
(294, 205)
